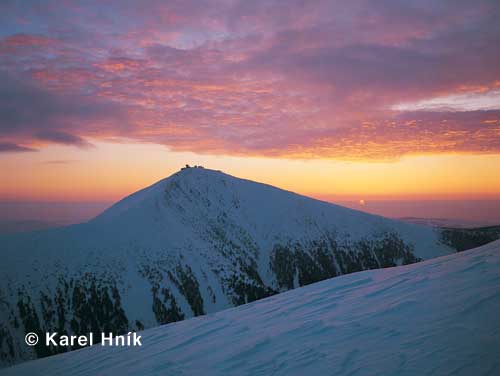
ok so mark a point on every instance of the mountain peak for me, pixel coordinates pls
(188, 167)
(199, 171)
(195, 242)
(155, 191)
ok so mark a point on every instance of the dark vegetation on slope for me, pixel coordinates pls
(326, 258)
(247, 285)
(92, 303)
(463, 239)
(77, 306)
(165, 306)
(188, 285)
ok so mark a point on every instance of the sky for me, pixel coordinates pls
(355, 100)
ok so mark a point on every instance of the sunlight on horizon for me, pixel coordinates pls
(111, 171)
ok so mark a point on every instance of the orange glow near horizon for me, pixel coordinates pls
(111, 171)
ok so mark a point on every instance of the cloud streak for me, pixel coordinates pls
(313, 80)
(8, 147)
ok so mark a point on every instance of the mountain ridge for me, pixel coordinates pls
(196, 242)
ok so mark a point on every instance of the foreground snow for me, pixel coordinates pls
(437, 317)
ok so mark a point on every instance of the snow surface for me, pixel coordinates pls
(437, 317)
(200, 219)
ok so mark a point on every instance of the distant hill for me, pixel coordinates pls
(463, 239)
(14, 226)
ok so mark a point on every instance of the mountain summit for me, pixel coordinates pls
(196, 242)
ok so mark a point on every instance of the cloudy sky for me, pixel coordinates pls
(354, 98)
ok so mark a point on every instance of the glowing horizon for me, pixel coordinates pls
(112, 171)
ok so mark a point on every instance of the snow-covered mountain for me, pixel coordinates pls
(197, 242)
(437, 317)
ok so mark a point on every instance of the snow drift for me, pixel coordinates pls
(436, 317)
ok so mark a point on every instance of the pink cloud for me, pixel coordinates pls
(257, 78)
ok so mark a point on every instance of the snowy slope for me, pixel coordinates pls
(437, 317)
(194, 243)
